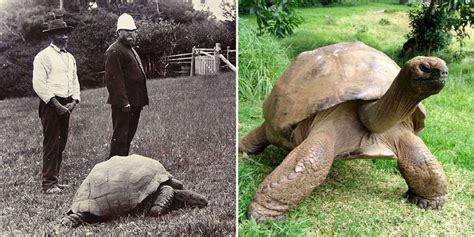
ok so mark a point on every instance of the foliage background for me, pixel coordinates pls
(175, 29)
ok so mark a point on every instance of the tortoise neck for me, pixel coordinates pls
(396, 105)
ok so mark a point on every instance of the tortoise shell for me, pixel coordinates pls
(118, 185)
(325, 77)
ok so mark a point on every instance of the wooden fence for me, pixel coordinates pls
(204, 61)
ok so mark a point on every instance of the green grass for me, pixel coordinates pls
(189, 126)
(365, 197)
(264, 62)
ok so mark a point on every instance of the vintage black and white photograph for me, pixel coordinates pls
(118, 117)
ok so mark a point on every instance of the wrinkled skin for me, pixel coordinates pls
(383, 128)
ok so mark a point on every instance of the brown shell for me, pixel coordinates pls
(325, 77)
(118, 185)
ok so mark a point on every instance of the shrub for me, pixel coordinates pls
(88, 42)
(15, 76)
(431, 32)
(277, 18)
(175, 29)
(21, 39)
(431, 26)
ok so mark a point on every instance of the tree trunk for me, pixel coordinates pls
(433, 6)
(432, 10)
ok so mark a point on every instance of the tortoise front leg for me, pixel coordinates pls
(254, 142)
(427, 183)
(188, 198)
(73, 220)
(305, 168)
(162, 201)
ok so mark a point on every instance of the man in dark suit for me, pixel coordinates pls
(126, 83)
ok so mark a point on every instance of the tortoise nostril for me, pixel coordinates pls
(443, 73)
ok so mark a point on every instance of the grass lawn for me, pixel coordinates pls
(189, 127)
(365, 197)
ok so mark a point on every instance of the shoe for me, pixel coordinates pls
(63, 186)
(53, 190)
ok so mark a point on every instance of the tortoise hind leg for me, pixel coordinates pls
(427, 183)
(304, 168)
(175, 183)
(254, 142)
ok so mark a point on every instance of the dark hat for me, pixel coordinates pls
(57, 25)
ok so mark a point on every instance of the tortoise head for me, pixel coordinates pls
(425, 76)
(419, 78)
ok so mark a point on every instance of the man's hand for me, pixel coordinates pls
(60, 109)
(70, 106)
(126, 108)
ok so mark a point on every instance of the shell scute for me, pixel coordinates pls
(320, 79)
(118, 185)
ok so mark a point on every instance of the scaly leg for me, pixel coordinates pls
(427, 183)
(73, 220)
(305, 168)
(162, 201)
(254, 142)
(188, 198)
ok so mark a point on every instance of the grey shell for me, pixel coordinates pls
(326, 77)
(118, 185)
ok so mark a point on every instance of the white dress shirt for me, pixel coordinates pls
(55, 74)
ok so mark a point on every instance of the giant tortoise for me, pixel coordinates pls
(128, 185)
(346, 101)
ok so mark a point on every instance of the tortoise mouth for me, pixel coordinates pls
(430, 85)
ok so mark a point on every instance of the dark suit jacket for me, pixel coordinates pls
(126, 81)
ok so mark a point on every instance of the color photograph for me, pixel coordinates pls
(355, 118)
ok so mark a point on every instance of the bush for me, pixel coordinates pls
(88, 43)
(21, 39)
(432, 26)
(15, 75)
(431, 32)
(175, 29)
(246, 6)
(277, 18)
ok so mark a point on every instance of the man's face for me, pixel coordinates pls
(129, 37)
(60, 39)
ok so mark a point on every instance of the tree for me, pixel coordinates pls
(431, 25)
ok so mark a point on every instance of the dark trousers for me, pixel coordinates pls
(55, 131)
(125, 125)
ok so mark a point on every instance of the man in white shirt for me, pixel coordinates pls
(55, 82)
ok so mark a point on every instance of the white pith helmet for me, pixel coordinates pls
(126, 22)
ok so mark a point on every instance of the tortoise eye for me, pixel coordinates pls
(424, 67)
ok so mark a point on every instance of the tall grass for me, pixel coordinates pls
(365, 197)
(189, 127)
(264, 58)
